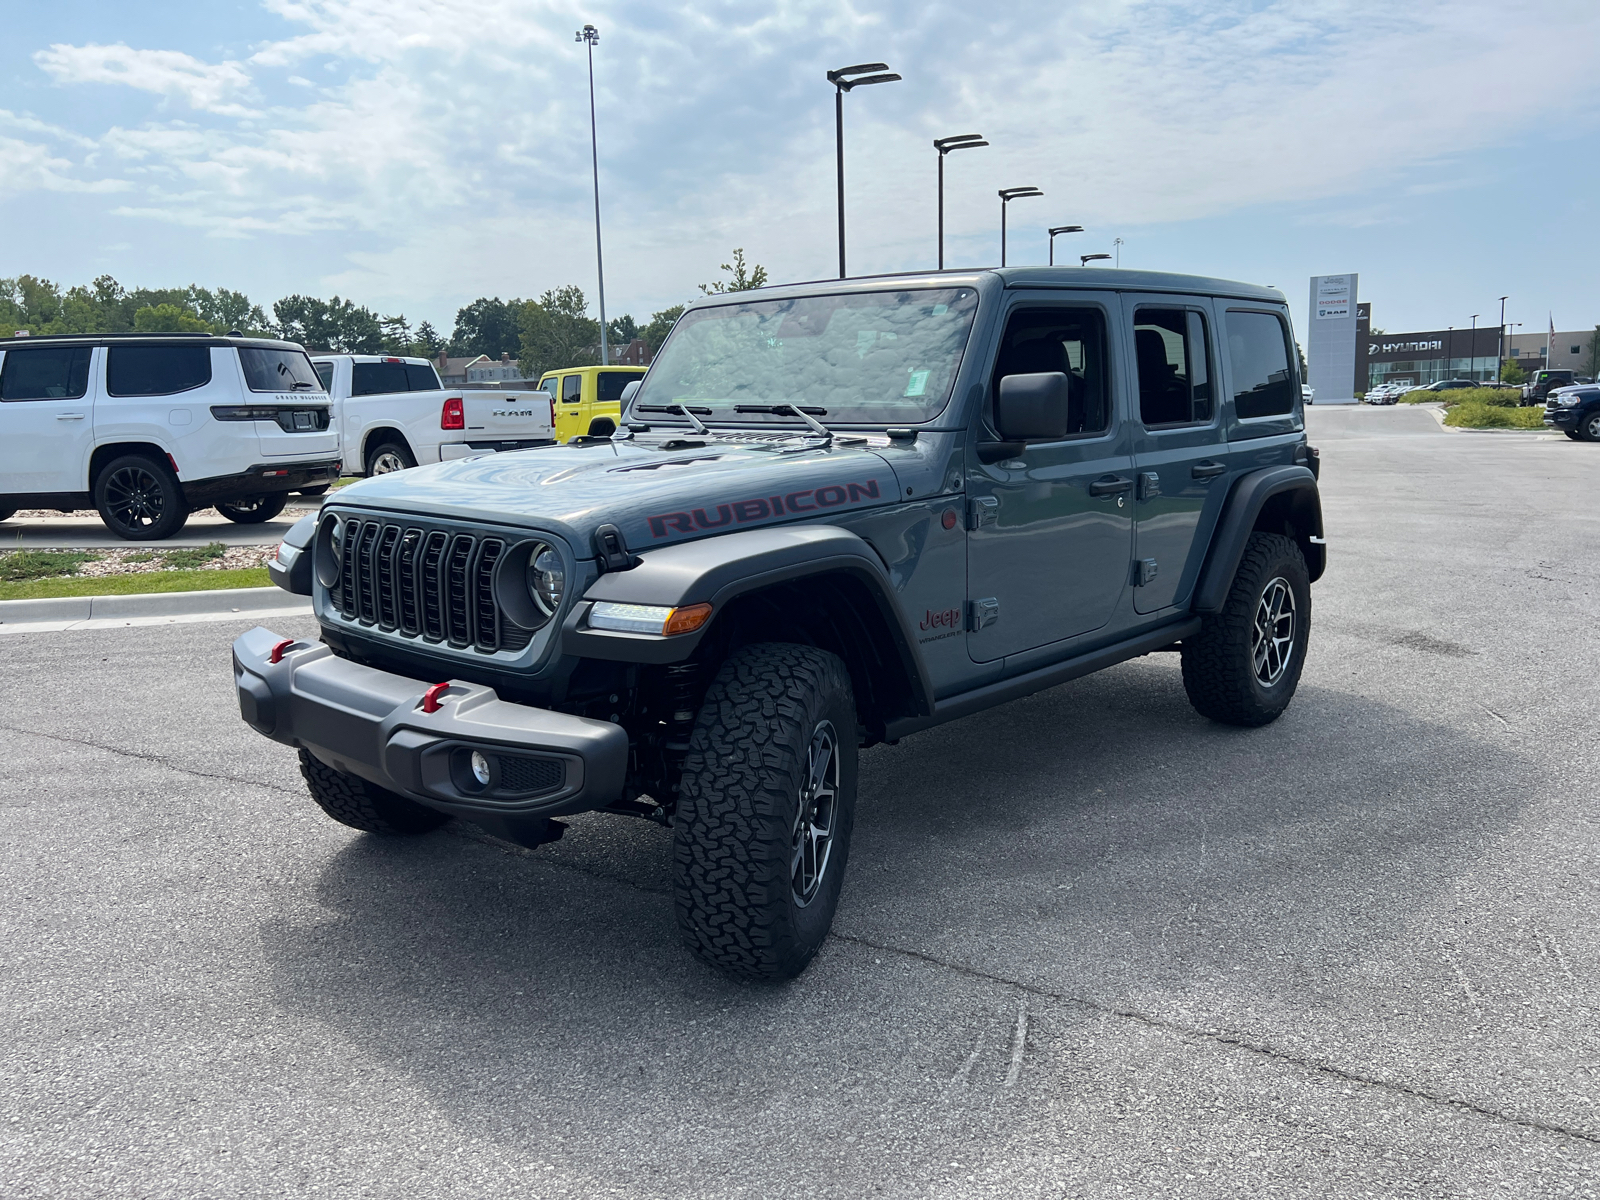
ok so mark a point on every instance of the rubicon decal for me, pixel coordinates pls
(763, 508)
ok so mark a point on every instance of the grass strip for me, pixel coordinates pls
(135, 585)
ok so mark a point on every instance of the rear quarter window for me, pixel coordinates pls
(421, 377)
(612, 383)
(378, 379)
(156, 370)
(1258, 352)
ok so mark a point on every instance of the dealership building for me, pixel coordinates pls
(1345, 358)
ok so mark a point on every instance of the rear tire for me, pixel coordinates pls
(254, 512)
(351, 800)
(388, 457)
(1244, 665)
(139, 499)
(766, 804)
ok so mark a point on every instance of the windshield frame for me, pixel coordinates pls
(723, 415)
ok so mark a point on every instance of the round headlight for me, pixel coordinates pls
(547, 579)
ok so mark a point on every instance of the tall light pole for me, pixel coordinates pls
(872, 73)
(1007, 195)
(589, 35)
(1085, 259)
(1472, 342)
(1500, 343)
(1117, 244)
(1061, 229)
(962, 141)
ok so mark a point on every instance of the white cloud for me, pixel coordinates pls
(30, 167)
(205, 86)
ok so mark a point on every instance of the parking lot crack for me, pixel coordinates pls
(1239, 1041)
(142, 756)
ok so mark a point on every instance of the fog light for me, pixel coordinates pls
(480, 768)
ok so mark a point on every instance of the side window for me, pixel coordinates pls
(156, 370)
(610, 385)
(278, 370)
(378, 379)
(1258, 352)
(421, 377)
(1071, 341)
(551, 384)
(1172, 355)
(48, 373)
(325, 373)
(572, 388)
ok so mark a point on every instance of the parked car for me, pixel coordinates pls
(836, 514)
(1450, 385)
(1308, 394)
(1383, 393)
(393, 413)
(586, 395)
(1541, 383)
(1575, 410)
(146, 428)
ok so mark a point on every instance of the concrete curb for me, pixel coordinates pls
(222, 601)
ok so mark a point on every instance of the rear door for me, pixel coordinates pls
(1180, 455)
(47, 418)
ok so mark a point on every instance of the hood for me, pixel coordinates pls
(657, 490)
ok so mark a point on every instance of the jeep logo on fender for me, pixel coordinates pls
(761, 508)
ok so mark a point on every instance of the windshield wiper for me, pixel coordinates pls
(678, 410)
(780, 410)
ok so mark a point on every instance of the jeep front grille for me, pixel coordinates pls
(425, 583)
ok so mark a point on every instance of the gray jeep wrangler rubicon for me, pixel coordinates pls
(835, 514)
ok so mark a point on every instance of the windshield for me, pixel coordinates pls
(278, 370)
(871, 357)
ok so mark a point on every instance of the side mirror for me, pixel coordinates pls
(1033, 408)
(629, 391)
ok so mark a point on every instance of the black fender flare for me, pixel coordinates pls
(1251, 493)
(717, 570)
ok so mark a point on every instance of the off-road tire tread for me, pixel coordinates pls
(351, 800)
(1216, 675)
(735, 809)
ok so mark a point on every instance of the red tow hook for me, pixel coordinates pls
(277, 651)
(430, 698)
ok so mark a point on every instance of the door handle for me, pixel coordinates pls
(1207, 470)
(69, 416)
(1110, 485)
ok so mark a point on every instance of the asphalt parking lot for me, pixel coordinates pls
(1090, 945)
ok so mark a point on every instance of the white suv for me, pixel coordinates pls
(146, 428)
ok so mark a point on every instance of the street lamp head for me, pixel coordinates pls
(1066, 229)
(840, 78)
(587, 34)
(962, 141)
(1018, 193)
(1086, 259)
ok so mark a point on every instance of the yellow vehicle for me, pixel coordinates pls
(585, 393)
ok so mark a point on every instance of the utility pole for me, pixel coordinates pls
(962, 141)
(842, 83)
(1117, 245)
(1500, 344)
(590, 35)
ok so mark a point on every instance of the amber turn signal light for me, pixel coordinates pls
(687, 620)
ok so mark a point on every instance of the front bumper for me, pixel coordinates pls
(1561, 418)
(263, 479)
(372, 724)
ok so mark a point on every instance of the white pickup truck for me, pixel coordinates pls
(393, 413)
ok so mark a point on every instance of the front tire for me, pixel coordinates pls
(389, 457)
(765, 809)
(1244, 665)
(351, 800)
(256, 511)
(1589, 428)
(139, 499)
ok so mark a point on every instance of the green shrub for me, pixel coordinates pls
(41, 564)
(1495, 397)
(189, 558)
(1477, 415)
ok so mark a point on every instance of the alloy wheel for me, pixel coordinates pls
(1272, 633)
(133, 496)
(1591, 428)
(387, 462)
(812, 841)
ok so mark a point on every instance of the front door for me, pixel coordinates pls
(1180, 455)
(571, 420)
(1051, 528)
(46, 418)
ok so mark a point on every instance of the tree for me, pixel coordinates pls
(621, 330)
(661, 324)
(1511, 372)
(396, 334)
(428, 342)
(741, 281)
(557, 332)
(489, 327)
(1592, 367)
(328, 325)
(168, 318)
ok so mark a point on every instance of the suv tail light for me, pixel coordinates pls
(453, 415)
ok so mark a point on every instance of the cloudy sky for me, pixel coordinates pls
(414, 156)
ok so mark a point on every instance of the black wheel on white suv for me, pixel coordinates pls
(139, 499)
(1243, 666)
(254, 511)
(387, 457)
(766, 804)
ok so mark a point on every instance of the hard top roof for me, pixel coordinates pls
(102, 339)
